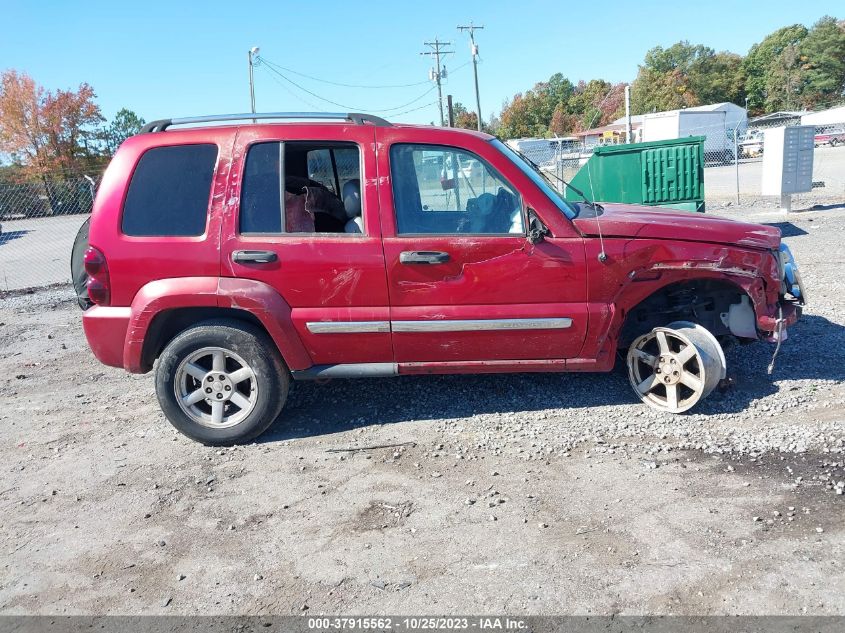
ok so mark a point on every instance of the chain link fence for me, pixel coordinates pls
(38, 223)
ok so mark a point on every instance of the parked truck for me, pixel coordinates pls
(719, 142)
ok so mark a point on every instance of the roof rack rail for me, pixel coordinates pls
(358, 119)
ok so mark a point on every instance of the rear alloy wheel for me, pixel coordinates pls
(673, 368)
(215, 387)
(221, 382)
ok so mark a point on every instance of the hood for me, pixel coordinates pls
(627, 220)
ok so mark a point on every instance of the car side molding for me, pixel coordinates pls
(348, 370)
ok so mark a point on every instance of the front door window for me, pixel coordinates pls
(447, 191)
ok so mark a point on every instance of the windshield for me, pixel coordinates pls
(537, 177)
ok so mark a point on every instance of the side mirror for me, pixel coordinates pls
(537, 231)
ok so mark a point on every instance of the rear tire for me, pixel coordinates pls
(221, 382)
(77, 266)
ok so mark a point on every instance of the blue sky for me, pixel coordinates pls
(177, 58)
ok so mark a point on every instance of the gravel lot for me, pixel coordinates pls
(529, 494)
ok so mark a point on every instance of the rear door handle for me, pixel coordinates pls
(254, 257)
(423, 257)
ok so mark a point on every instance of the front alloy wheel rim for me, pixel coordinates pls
(667, 371)
(215, 387)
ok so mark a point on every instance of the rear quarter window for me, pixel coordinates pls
(169, 191)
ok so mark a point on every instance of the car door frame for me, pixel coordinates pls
(439, 335)
(334, 284)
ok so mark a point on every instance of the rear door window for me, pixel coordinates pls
(169, 191)
(302, 187)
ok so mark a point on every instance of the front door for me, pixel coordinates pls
(465, 282)
(305, 220)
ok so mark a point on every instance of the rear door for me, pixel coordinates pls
(333, 280)
(465, 282)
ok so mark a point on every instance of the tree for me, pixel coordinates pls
(718, 78)
(785, 80)
(523, 116)
(685, 75)
(557, 107)
(766, 76)
(47, 131)
(822, 53)
(463, 117)
(125, 124)
(653, 91)
(793, 67)
(595, 103)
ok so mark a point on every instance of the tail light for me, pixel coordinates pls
(99, 288)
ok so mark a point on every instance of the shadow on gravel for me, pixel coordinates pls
(8, 236)
(341, 405)
(822, 207)
(787, 229)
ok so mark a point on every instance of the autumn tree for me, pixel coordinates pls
(463, 117)
(47, 131)
(558, 107)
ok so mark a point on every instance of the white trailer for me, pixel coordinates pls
(719, 142)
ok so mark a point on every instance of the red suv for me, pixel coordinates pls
(243, 255)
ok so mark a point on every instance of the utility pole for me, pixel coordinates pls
(436, 74)
(450, 111)
(253, 52)
(474, 48)
(628, 134)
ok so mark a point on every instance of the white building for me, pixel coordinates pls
(717, 122)
(827, 117)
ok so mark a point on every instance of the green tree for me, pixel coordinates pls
(685, 75)
(766, 76)
(822, 54)
(125, 124)
(717, 78)
(653, 91)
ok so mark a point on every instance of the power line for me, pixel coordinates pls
(319, 109)
(291, 92)
(346, 106)
(277, 73)
(413, 109)
(337, 83)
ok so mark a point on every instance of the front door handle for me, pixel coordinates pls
(423, 257)
(254, 257)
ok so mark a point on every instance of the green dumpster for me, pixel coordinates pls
(658, 173)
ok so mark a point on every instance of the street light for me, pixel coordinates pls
(253, 52)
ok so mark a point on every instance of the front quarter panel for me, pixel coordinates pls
(637, 268)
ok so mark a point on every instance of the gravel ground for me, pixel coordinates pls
(529, 494)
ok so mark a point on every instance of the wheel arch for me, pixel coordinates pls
(700, 299)
(164, 307)
(167, 324)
